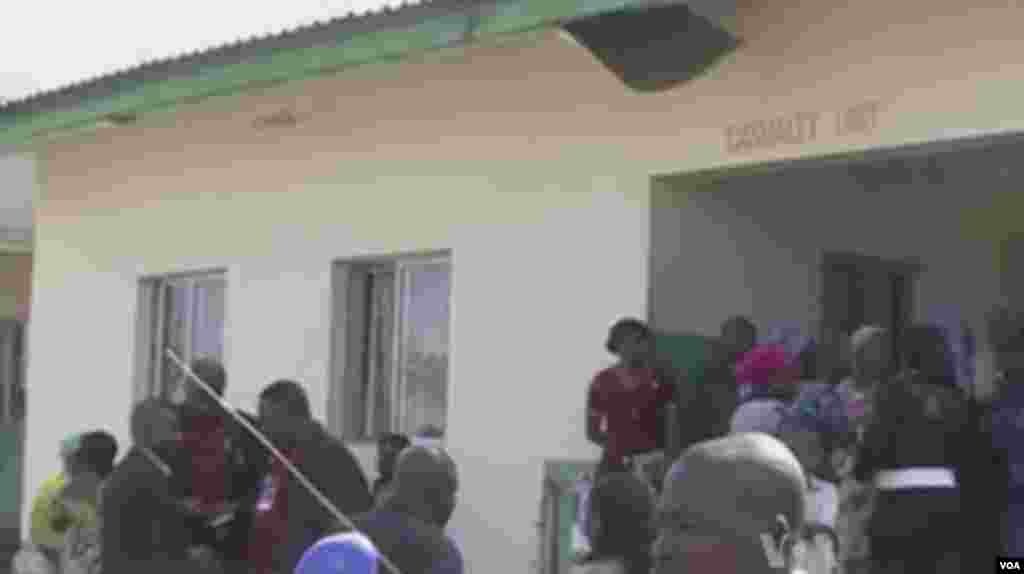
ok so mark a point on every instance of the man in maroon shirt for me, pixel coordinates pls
(625, 401)
(224, 467)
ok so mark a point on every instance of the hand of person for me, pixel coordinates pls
(192, 505)
(225, 507)
(203, 559)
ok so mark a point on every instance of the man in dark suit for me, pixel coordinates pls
(288, 519)
(144, 525)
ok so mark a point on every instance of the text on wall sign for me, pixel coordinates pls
(801, 128)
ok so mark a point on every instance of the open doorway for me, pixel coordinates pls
(824, 245)
(861, 290)
(15, 287)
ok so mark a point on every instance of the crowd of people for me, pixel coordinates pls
(198, 492)
(886, 465)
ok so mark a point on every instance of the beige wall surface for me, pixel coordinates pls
(525, 157)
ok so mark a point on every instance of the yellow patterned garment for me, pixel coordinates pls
(82, 545)
(44, 510)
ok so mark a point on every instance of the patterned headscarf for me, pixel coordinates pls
(766, 365)
(819, 410)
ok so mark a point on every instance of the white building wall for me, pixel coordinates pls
(524, 340)
(527, 158)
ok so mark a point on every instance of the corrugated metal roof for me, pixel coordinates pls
(297, 54)
(394, 13)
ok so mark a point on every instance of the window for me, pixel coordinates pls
(390, 358)
(184, 313)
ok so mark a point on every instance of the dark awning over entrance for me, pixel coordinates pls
(661, 44)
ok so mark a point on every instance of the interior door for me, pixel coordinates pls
(861, 290)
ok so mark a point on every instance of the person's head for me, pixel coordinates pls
(154, 424)
(426, 484)
(738, 336)
(284, 399)
(732, 505)
(210, 371)
(631, 341)
(621, 526)
(347, 553)
(770, 370)
(97, 453)
(389, 446)
(870, 352)
(926, 351)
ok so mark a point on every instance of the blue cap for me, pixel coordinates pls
(348, 553)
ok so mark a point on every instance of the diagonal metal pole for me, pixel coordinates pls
(277, 454)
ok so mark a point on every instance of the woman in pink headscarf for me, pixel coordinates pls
(772, 376)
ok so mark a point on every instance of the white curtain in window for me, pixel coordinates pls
(382, 338)
(175, 336)
(424, 344)
(208, 319)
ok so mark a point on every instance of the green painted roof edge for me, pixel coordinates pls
(142, 98)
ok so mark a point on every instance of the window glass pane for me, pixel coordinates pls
(424, 367)
(208, 318)
(175, 325)
(350, 413)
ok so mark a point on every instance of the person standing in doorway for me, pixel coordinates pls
(625, 402)
(705, 410)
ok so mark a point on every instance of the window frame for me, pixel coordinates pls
(150, 328)
(344, 419)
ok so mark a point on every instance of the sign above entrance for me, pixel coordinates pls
(801, 128)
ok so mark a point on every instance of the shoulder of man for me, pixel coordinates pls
(451, 562)
(603, 377)
(331, 464)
